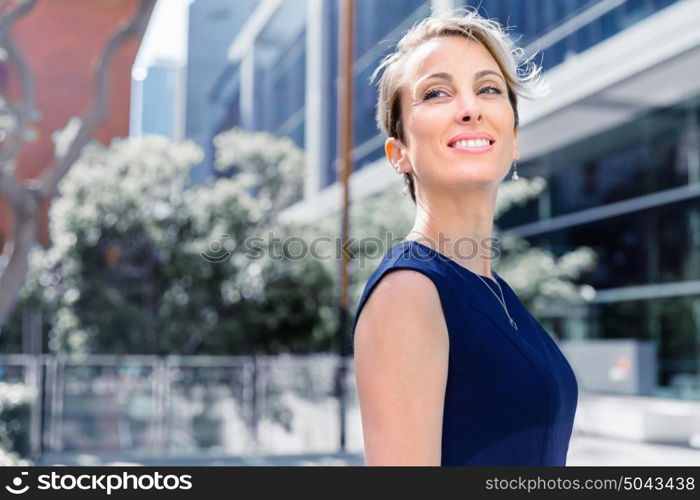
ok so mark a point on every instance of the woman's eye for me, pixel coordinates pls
(495, 89)
(432, 93)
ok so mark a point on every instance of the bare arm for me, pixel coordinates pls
(401, 357)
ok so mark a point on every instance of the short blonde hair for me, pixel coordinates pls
(523, 77)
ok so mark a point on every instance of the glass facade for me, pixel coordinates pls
(213, 103)
(626, 192)
(379, 30)
(159, 91)
(672, 324)
(534, 18)
(281, 59)
(640, 248)
(278, 81)
(602, 28)
(381, 27)
(637, 158)
(285, 104)
(648, 250)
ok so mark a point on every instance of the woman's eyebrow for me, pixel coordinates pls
(483, 73)
(448, 77)
(442, 76)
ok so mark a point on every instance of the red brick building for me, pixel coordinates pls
(61, 42)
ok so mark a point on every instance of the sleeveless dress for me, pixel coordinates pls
(511, 395)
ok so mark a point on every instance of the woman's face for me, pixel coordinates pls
(453, 87)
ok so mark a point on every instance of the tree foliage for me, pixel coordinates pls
(144, 262)
(27, 197)
(15, 401)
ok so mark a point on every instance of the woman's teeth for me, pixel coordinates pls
(471, 143)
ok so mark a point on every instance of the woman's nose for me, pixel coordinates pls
(468, 110)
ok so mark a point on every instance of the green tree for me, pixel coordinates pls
(15, 404)
(144, 262)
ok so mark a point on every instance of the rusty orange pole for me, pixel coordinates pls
(345, 133)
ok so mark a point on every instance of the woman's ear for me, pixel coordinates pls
(516, 148)
(397, 157)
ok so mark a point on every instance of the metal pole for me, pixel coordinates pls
(32, 347)
(345, 131)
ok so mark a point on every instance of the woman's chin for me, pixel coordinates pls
(477, 177)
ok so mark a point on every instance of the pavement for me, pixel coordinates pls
(584, 450)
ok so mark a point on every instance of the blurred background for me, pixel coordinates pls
(170, 208)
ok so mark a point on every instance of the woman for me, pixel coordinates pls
(451, 369)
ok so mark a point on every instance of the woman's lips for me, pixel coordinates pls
(474, 150)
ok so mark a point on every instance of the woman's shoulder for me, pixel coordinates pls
(401, 268)
(404, 287)
(404, 305)
(405, 276)
(419, 268)
(410, 254)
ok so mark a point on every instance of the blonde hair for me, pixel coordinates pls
(523, 77)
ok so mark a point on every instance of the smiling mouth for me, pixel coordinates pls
(472, 143)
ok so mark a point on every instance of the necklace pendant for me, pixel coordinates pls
(513, 323)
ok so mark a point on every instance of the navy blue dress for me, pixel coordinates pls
(511, 395)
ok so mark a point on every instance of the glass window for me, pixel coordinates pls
(232, 115)
(635, 10)
(490, 8)
(3, 75)
(672, 324)
(592, 33)
(515, 18)
(637, 158)
(286, 77)
(381, 27)
(375, 20)
(534, 18)
(365, 107)
(158, 95)
(649, 246)
(331, 38)
(297, 134)
(660, 4)
(649, 154)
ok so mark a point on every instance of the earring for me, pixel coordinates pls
(515, 176)
(406, 187)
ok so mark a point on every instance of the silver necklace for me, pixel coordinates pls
(500, 299)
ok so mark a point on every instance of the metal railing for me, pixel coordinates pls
(184, 405)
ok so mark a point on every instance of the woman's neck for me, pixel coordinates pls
(459, 228)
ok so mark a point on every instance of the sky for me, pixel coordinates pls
(165, 38)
